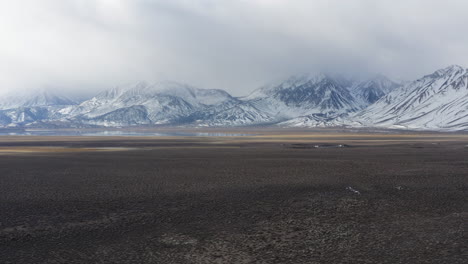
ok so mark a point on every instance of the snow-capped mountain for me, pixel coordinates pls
(25, 108)
(304, 95)
(143, 104)
(33, 99)
(236, 113)
(369, 91)
(436, 101)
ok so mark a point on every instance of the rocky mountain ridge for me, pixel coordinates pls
(436, 101)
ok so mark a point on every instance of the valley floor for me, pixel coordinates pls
(291, 196)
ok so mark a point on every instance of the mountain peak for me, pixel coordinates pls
(300, 80)
(372, 89)
(305, 94)
(39, 97)
(437, 100)
(452, 69)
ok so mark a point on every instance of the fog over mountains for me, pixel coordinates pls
(437, 101)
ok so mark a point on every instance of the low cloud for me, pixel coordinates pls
(89, 45)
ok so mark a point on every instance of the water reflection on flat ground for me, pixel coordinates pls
(120, 133)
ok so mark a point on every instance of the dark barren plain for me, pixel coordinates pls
(274, 197)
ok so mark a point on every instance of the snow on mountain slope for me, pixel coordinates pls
(312, 120)
(436, 101)
(174, 103)
(236, 113)
(101, 100)
(305, 95)
(369, 91)
(362, 94)
(127, 116)
(25, 108)
(33, 99)
(162, 103)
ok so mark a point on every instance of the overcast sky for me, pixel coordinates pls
(233, 45)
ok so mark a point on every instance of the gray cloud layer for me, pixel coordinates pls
(233, 45)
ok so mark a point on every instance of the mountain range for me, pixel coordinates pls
(438, 101)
